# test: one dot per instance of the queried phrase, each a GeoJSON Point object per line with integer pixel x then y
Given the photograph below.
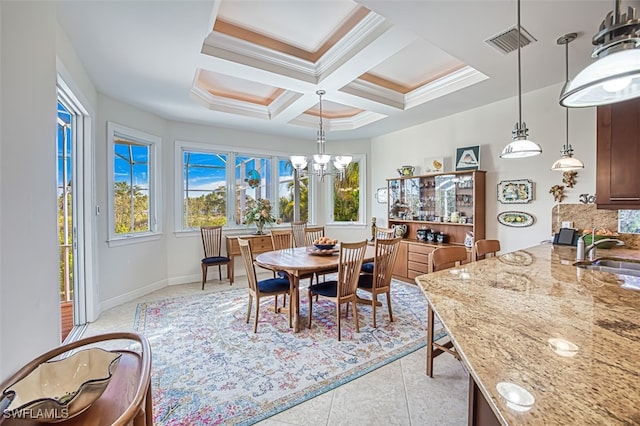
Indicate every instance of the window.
{"type": "Point", "coordinates": [286, 187]}
{"type": "Point", "coordinates": [253, 181]}
{"type": "Point", "coordinates": [629, 221]}
{"type": "Point", "coordinates": [132, 209]}
{"type": "Point", "coordinates": [216, 185]}
{"type": "Point", "coordinates": [205, 189]}
{"type": "Point", "coordinates": [347, 204]}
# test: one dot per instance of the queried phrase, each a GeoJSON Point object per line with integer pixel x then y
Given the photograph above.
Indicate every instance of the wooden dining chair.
{"type": "Point", "coordinates": [212, 244]}
{"type": "Point", "coordinates": [486, 248]}
{"type": "Point", "coordinates": [298, 233]}
{"type": "Point", "coordinates": [312, 233]}
{"type": "Point", "coordinates": [381, 234]}
{"type": "Point", "coordinates": [262, 288]}
{"type": "Point", "coordinates": [441, 258]}
{"type": "Point", "coordinates": [342, 290]}
{"type": "Point", "coordinates": [379, 282]}
{"type": "Point", "coordinates": [281, 239]}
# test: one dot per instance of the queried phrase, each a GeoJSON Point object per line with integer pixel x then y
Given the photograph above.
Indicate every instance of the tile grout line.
{"type": "Point", "coordinates": [406, 395]}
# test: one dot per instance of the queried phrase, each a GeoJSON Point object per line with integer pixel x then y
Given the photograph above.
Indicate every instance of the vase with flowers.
{"type": "Point", "coordinates": [259, 212]}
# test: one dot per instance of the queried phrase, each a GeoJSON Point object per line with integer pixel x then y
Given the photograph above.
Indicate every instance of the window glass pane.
{"type": "Point", "coordinates": [286, 192]}
{"type": "Point", "coordinates": [629, 221]}
{"type": "Point", "coordinates": [204, 184]}
{"type": "Point", "coordinates": [346, 195]}
{"type": "Point", "coordinates": [253, 181]}
{"type": "Point", "coordinates": [131, 187]}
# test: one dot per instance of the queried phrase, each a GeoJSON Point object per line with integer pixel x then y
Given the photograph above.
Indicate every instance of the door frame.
{"type": "Point", "coordinates": [85, 296]}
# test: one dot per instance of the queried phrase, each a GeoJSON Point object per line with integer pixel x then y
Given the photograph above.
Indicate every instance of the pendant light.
{"type": "Point", "coordinates": [520, 146]}
{"type": "Point", "coordinates": [321, 161]}
{"type": "Point", "coordinates": [567, 162]}
{"type": "Point", "coordinates": [615, 75]}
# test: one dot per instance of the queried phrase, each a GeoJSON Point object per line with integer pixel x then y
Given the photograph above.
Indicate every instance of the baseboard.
{"type": "Point", "coordinates": [129, 296]}
{"type": "Point", "coordinates": [185, 279]}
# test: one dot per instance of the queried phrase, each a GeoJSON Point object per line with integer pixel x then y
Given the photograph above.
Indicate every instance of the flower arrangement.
{"type": "Point", "coordinates": [259, 212]}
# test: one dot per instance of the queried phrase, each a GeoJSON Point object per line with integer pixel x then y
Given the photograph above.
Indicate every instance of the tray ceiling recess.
{"type": "Point", "coordinates": [267, 62]}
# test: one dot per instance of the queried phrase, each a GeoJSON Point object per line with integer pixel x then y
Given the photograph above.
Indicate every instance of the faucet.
{"type": "Point", "coordinates": [590, 250]}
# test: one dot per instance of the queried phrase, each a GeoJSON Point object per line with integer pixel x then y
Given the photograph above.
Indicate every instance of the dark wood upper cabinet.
{"type": "Point", "coordinates": [618, 156]}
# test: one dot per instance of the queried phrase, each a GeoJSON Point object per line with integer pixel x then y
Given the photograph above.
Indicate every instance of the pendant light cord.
{"type": "Point", "coordinates": [566, 79]}
{"type": "Point", "coordinates": [519, 73]}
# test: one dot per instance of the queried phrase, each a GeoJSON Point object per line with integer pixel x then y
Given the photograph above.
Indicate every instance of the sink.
{"type": "Point", "coordinates": [612, 265]}
{"type": "Point", "coordinates": [618, 263]}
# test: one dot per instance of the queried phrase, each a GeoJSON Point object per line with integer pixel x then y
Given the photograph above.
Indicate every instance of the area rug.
{"type": "Point", "coordinates": [208, 367]}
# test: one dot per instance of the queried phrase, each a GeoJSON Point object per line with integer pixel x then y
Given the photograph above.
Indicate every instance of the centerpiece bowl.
{"type": "Point", "coordinates": [59, 390]}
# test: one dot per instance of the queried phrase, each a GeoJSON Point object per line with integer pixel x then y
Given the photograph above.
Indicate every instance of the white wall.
{"type": "Point", "coordinates": [135, 269]}
{"type": "Point", "coordinates": [73, 75]}
{"type": "Point", "coordinates": [29, 311]}
{"type": "Point", "coordinates": [490, 127]}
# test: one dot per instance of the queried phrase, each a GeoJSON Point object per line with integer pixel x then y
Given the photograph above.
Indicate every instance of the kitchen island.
{"type": "Point", "coordinates": [544, 342]}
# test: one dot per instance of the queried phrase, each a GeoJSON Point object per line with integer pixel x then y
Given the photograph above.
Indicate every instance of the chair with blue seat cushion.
{"type": "Point", "coordinates": [381, 234]}
{"type": "Point", "coordinates": [379, 281]}
{"type": "Point", "coordinates": [212, 244]}
{"type": "Point", "coordinates": [342, 290]}
{"type": "Point", "coordinates": [263, 288]}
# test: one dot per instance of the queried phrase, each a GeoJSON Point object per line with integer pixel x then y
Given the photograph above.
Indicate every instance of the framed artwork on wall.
{"type": "Point", "coordinates": [468, 158]}
{"type": "Point", "coordinates": [518, 191]}
{"type": "Point", "coordinates": [381, 195]}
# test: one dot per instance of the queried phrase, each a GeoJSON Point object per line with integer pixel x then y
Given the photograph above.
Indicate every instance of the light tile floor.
{"type": "Point", "coordinates": [399, 393]}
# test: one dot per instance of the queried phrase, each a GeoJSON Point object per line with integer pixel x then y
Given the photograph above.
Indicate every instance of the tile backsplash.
{"type": "Point", "coordinates": [587, 216]}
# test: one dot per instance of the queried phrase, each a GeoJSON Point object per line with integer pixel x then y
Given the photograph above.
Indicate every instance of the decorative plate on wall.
{"type": "Point", "coordinates": [516, 219]}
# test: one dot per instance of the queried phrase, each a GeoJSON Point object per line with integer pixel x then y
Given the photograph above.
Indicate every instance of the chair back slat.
{"type": "Point", "coordinates": [386, 253]}
{"type": "Point", "coordinates": [247, 260]}
{"type": "Point", "coordinates": [351, 257]}
{"type": "Point", "coordinates": [281, 239]}
{"type": "Point", "coordinates": [312, 233]}
{"type": "Point", "coordinates": [487, 248]}
{"type": "Point", "coordinates": [384, 233]}
{"type": "Point", "coordinates": [298, 233]}
{"type": "Point", "coordinates": [447, 257]}
{"type": "Point", "coordinates": [211, 240]}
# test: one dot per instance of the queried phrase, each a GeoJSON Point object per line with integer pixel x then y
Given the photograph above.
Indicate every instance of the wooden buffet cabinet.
{"type": "Point", "coordinates": [430, 202]}
{"type": "Point", "coordinates": [259, 244]}
{"type": "Point", "coordinates": [617, 154]}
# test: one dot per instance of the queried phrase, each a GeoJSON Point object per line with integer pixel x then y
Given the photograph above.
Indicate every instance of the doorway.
{"type": "Point", "coordinates": [74, 218]}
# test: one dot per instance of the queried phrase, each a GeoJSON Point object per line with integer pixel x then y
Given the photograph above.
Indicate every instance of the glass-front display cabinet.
{"type": "Point", "coordinates": [438, 207]}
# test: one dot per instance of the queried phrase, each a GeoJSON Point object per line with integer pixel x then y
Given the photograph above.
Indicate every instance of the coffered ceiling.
{"type": "Point", "coordinates": [384, 64]}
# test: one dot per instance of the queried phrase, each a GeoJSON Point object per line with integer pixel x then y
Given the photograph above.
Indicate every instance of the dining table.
{"type": "Point", "coordinates": [299, 261]}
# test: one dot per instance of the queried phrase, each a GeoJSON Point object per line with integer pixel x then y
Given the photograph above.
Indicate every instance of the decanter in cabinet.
{"type": "Point", "coordinates": [448, 204]}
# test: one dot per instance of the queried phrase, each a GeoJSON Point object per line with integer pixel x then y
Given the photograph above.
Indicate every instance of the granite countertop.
{"type": "Point", "coordinates": [502, 312]}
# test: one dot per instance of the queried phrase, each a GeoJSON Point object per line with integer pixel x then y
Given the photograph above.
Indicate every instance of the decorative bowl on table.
{"type": "Point", "coordinates": [59, 390]}
{"type": "Point", "coordinates": [324, 246]}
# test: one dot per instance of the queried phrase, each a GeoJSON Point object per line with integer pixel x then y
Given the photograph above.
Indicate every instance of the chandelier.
{"type": "Point", "coordinates": [567, 162]}
{"type": "Point", "coordinates": [521, 145]}
{"type": "Point", "coordinates": [615, 75]}
{"type": "Point", "coordinates": [322, 160]}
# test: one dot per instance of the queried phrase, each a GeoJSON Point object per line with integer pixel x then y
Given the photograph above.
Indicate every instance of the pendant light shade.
{"type": "Point", "coordinates": [615, 76]}
{"type": "Point", "coordinates": [321, 161]}
{"type": "Point", "coordinates": [520, 146]}
{"type": "Point", "coordinates": [567, 162]}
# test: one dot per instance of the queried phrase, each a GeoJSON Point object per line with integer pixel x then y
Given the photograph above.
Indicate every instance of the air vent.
{"type": "Point", "coordinates": [507, 40]}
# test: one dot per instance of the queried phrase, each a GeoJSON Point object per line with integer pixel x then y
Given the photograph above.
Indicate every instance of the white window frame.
{"type": "Point", "coordinates": [362, 210]}
{"type": "Point", "coordinates": [231, 153]}
{"type": "Point", "coordinates": [153, 142]}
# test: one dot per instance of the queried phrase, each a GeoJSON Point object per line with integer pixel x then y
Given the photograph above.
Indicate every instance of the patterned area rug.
{"type": "Point", "coordinates": [210, 368]}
